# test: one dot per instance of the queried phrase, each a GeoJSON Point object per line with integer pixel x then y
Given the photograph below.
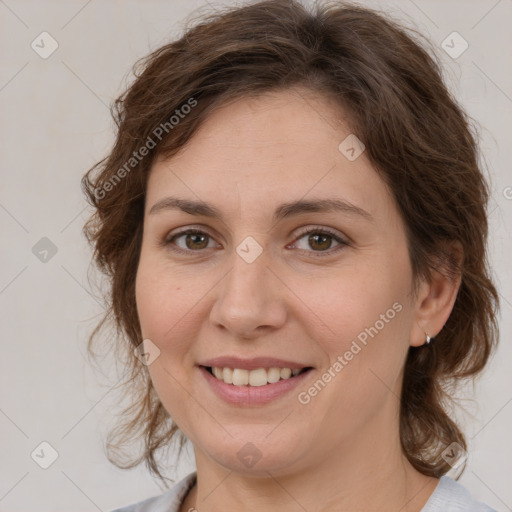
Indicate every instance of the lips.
{"type": "Point", "coordinates": [256, 381]}
{"type": "Point", "coordinates": [250, 395]}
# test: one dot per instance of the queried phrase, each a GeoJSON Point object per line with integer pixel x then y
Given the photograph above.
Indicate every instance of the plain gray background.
{"type": "Point", "coordinates": [55, 124]}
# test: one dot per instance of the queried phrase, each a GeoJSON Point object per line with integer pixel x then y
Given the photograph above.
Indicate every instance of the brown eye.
{"type": "Point", "coordinates": [320, 240]}
{"type": "Point", "coordinates": [194, 240]}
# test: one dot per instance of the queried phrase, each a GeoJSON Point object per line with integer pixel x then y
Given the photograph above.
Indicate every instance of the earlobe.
{"type": "Point", "coordinates": [426, 339]}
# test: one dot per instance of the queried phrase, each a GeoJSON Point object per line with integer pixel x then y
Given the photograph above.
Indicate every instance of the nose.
{"type": "Point", "coordinates": [250, 300]}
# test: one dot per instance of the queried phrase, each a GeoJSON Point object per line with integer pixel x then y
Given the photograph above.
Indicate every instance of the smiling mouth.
{"type": "Point", "coordinates": [256, 377]}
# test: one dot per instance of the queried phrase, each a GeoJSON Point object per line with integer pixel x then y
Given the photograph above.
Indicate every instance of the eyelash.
{"type": "Point", "coordinates": [168, 242]}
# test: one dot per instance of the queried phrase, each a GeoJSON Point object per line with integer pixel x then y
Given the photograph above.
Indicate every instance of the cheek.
{"type": "Point", "coordinates": [153, 297]}
{"type": "Point", "coordinates": [368, 314]}
{"type": "Point", "coordinates": [164, 297]}
{"type": "Point", "coordinates": [362, 304]}
{"type": "Point", "coordinates": [162, 305]}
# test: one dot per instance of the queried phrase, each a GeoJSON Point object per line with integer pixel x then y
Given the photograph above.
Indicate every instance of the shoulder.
{"type": "Point", "coordinates": [450, 496]}
{"type": "Point", "coordinates": [169, 501]}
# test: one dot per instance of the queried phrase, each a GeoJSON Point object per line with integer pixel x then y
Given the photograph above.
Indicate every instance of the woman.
{"type": "Point", "coordinates": [294, 223]}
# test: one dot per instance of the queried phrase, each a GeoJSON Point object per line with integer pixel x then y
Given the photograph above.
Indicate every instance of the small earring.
{"type": "Point", "coordinates": [427, 340]}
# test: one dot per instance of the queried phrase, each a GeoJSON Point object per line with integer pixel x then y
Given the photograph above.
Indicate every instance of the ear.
{"type": "Point", "coordinates": [436, 297]}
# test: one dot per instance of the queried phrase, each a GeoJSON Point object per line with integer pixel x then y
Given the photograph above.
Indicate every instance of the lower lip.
{"type": "Point", "coordinates": [252, 395]}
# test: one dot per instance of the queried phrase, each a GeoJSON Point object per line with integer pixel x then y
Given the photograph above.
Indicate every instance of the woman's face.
{"type": "Point", "coordinates": [254, 284]}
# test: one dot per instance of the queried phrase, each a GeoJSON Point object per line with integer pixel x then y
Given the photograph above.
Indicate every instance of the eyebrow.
{"type": "Point", "coordinates": [285, 210]}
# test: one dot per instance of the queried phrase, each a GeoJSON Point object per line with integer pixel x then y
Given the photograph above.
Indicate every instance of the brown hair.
{"type": "Point", "coordinates": [416, 135]}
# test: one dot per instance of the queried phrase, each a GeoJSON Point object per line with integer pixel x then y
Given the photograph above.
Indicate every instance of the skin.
{"type": "Point", "coordinates": [341, 451]}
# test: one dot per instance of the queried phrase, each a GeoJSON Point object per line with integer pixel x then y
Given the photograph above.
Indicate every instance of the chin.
{"type": "Point", "coordinates": [259, 454]}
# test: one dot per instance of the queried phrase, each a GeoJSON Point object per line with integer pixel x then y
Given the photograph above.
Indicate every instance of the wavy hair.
{"type": "Point", "coordinates": [417, 137]}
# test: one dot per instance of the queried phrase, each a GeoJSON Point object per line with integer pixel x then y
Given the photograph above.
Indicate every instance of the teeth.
{"type": "Point", "coordinates": [227, 375]}
{"type": "Point", "coordinates": [273, 375]}
{"type": "Point", "coordinates": [240, 377]}
{"type": "Point", "coordinates": [286, 373]}
{"type": "Point", "coordinates": [258, 377]}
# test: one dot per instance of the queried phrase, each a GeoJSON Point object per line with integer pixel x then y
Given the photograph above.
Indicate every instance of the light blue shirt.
{"type": "Point", "coordinates": [449, 496]}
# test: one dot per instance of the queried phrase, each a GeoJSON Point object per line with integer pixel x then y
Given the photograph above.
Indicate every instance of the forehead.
{"type": "Point", "coordinates": [252, 153]}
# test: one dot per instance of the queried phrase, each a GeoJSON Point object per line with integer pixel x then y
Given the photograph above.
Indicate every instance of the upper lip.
{"type": "Point", "coordinates": [252, 364]}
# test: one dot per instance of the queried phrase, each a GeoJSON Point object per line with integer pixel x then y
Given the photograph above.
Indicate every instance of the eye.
{"type": "Point", "coordinates": [193, 239]}
{"type": "Point", "coordinates": [320, 240]}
